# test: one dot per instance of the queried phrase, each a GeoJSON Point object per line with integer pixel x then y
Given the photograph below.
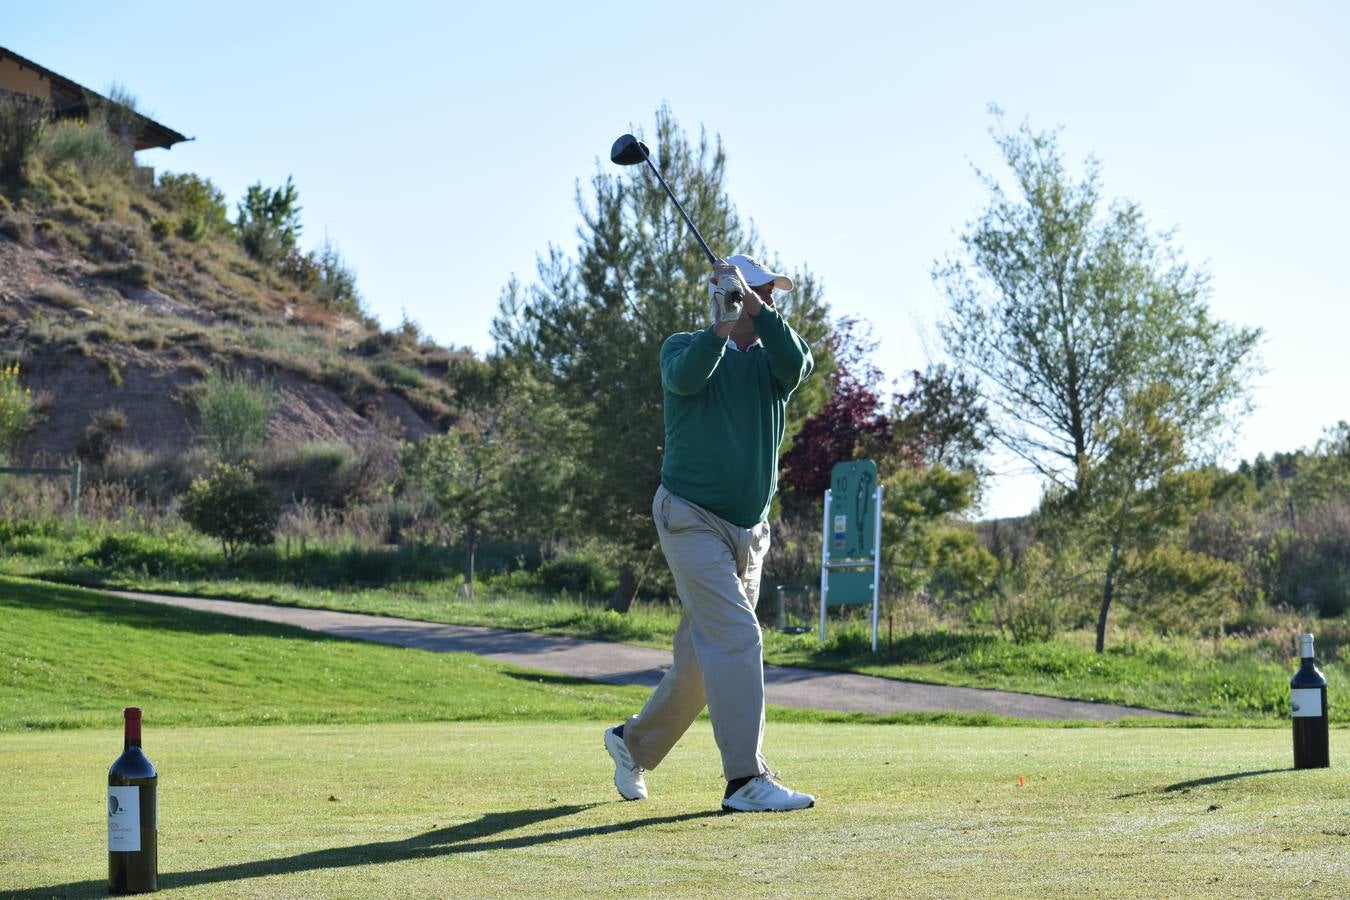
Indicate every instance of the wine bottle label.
{"type": "Point", "coordinates": [124, 819]}
{"type": "Point", "coordinates": [1305, 702]}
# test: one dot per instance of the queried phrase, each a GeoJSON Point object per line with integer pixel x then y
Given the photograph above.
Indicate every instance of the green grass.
{"type": "Point", "coordinates": [527, 810]}
{"type": "Point", "coordinates": [68, 656]}
{"type": "Point", "coordinates": [1236, 680]}
{"type": "Point", "coordinates": [1233, 680]}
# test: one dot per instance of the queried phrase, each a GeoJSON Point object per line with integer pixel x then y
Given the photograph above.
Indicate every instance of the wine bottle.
{"type": "Point", "coordinates": [1308, 703]}
{"type": "Point", "coordinates": [133, 816]}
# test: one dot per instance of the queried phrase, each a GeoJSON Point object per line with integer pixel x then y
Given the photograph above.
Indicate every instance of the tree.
{"type": "Point", "coordinates": [1133, 499]}
{"type": "Point", "coordinates": [231, 507]}
{"type": "Point", "coordinates": [941, 420]}
{"type": "Point", "coordinates": [850, 424]}
{"type": "Point", "coordinates": [1065, 310]}
{"type": "Point", "coordinates": [592, 328]}
{"type": "Point", "coordinates": [492, 470]}
{"type": "Point", "coordinates": [269, 221]}
{"type": "Point", "coordinates": [917, 504]}
{"type": "Point", "coordinates": [235, 410]}
{"type": "Point", "coordinates": [199, 203]}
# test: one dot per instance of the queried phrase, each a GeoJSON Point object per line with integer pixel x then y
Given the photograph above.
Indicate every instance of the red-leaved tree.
{"type": "Point", "coordinates": [850, 423]}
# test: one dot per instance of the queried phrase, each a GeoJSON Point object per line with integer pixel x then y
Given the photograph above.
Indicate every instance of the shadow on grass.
{"type": "Point", "coordinates": [551, 678]}
{"type": "Point", "coordinates": [1217, 779]}
{"type": "Point", "coordinates": [97, 606]}
{"type": "Point", "coordinates": [477, 836]}
{"type": "Point", "coordinates": [1200, 782]}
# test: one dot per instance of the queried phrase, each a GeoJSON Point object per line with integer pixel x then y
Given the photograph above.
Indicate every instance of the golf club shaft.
{"type": "Point", "coordinates": [712, 258]}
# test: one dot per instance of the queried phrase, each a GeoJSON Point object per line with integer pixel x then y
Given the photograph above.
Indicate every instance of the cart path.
{"type": "Point", "coordinates": [613, 663]}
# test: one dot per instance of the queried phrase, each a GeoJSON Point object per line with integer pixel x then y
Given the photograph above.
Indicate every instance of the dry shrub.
{"type": "Point", "coordinates": [58, 295]}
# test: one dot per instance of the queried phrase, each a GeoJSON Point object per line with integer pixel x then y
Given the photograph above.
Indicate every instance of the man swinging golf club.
{"type": "Point", "coordinates": [726, 391]}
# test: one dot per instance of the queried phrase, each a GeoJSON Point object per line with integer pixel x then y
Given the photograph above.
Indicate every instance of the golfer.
{"type": "Point", "coordinates": [726, 393]}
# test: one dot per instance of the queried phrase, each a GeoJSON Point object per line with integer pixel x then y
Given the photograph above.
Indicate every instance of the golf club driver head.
{"type": "Point", "coordinates": [628, 151]}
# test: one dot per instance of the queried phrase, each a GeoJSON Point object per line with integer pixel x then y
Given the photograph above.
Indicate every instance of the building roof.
{"type": "Point", "coordinates": [72, 100]}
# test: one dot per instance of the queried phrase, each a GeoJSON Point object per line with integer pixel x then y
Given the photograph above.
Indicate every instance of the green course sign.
{"type": "Point", "coordinates": [850, 558]}
{"type": "Point", "coordinates": [853, 501]}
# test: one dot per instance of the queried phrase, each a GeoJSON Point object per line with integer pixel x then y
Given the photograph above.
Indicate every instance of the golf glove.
{"type": "Point", "coordinates": [728, 293]}
{"type": "Point", "coordinates": [726, 303]}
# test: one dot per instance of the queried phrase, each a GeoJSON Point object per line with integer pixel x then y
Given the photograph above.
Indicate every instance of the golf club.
{"type": "Point", "coordinates": [629, 151]}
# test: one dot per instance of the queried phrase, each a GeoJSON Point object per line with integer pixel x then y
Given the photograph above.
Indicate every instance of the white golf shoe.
{"type": "Point", "coordinates": [763, 794]}
{"type": "Point", "coordinates": [627, 774]}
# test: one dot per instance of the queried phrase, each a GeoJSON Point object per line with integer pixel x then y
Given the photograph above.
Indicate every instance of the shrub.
{"type": "Point", "coordinates": [16, 408]}
{"type": "Point", "coordinates": [199, 203]}
{"type": "Point", "coordinates": [574, 574]}
{"type": "Point", "coordinates": [269, 222]}
{"type": "Point", "coordinates": [134, 274]}
{"type": "Point", "coordinates": [58, 295]}
{"type": "Point", "coordinates": [397, 375]}
{"type": "Point", "coordinates": [300, 269]}
{"type": "Point", "coordinates": [16, 228]}
{"type": "Point", "coordinates": [100, 435]}
{"type": "Point", "coordinates": [320, 472]}
{"type": "Point", "coordinates": [22, 120]}
{"type": "Point", "coordinates": [1181, 592]}
{"type": "Point", "coordinates": [235, 410]}
{"type": "Point", "coordinates": [117, 115]}
{"type": "Point", "coordinates": [1035, 603]}
{"type": "Point", "coordinates": [336, 286]}
{"type": "Point", "coordinates": [86, 147]}
{"type": "Point", "coordinates": [141, 553]}
{"type": "Point", "coordinates": [231, 507]}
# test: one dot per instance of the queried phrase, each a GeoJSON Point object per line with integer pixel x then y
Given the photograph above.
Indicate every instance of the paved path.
{"type": "Point", "coordinates": [614, 663]}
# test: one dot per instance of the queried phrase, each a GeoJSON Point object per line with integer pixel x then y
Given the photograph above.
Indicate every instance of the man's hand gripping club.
{"type": "Point", "coordinates": [729, 292]}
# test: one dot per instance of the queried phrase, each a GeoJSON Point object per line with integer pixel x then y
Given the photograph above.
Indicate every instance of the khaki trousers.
{"type": "Point", "coordinates": [719, 651]}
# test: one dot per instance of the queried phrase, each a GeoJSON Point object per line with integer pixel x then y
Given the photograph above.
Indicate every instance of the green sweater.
{"type": "Point", "coordinates": [725, 412]}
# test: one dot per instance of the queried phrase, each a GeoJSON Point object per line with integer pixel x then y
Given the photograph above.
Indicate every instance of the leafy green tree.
{"type": "Point", "coordinates": [232, 507]}
{"type": "Point", "coordinates": [235, 410]}
{"type": "Point", "coordinates": [920, 545]}
{"type": "Point", "coordinates": [199, 203]}
{"type": "Point", "coordinates": [1181, 591]}
{"type": "Point", "coordinates": [493, 470]}
{"type": "Point", "coordinates": [942, 420]}
{"type": "Point", "coordinates": [1285, 521]}
{"type": "Point", "coordinates": [269, 221]}
{"type": "Point", "coordinates": [1065, 308]}
{"type": "Point", "coordinates": [1134, 499]}
{"type": "Point", "coordinates": [593, 324]}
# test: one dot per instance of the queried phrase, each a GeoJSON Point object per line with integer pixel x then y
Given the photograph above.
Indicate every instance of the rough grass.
{"type": "Point", "coordinates": [1235, 679]}
{"type": "Point", "coordinates": [527, 810]}
{"type": "Point", "coordinates": [69, 655]}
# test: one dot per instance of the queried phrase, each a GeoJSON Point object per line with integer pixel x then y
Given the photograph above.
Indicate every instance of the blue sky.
{"type": "Point", "coordinates": [440, 145]}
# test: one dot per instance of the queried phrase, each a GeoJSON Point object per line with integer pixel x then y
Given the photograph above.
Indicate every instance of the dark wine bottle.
{"type": "Point", "coordinates": [1308, 703]}
{"type": "Point", "coordinates": [133, 816]}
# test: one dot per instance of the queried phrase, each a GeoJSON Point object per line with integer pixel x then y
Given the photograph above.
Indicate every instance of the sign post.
{"type": "Point", "coordinates": [850, 553]}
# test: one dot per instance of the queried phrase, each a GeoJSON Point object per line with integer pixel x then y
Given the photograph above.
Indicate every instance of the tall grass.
{"type": "Point", "coordinates": [235, 410]}
{"type": "Point", "coordinates": [87, 147]}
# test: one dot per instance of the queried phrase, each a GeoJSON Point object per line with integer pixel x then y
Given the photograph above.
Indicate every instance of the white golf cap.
{"type": "Point", "coordinates": [756, 273]}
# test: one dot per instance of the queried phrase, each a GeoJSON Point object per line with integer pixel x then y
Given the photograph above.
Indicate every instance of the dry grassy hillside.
{"type": "Point", "coordinates": [107, 307]}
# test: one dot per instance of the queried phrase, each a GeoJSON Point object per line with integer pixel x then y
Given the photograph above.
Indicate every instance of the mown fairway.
{"type": "Point", "coordinates": [403, 773]}
{"type": "Point", "coordinates": [491, 810]}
